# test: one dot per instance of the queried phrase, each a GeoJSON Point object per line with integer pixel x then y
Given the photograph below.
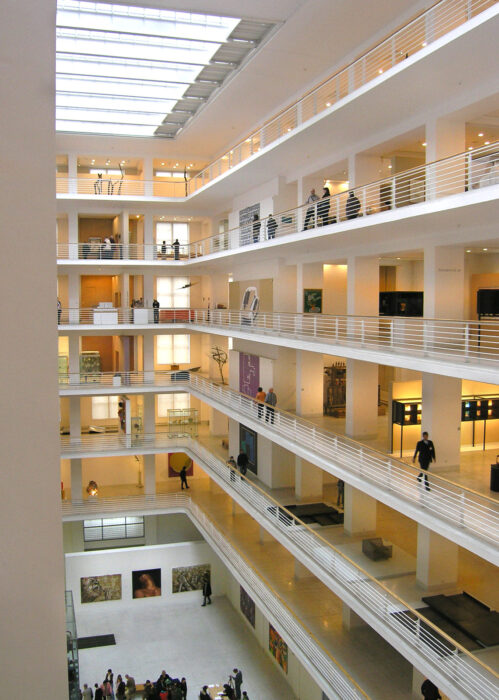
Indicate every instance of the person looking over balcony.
{"type": "Point", "coordinates": [176, 249]}
{"type": "Point", "coordinates": [256, 226]}
{"type": "Point", "coordinates": [310, 217]}
{"type": "Point", "coordinates": [323, 207]}
{"type": "Point", "coordinates": [271, 227]}
{"type": "Point", "coordinates": [270, 400]}
{"type": "Point", "coordinates": [352, 207]}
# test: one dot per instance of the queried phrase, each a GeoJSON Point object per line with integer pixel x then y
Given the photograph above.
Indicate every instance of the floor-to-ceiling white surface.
{"type": "Point", "coordinates": [202, 644]}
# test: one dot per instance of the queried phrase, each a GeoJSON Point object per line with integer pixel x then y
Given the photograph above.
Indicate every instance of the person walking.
{"type": "Point", "coordinates": [155, 310]}
{"type": "Point", "coordinates": [260, 396]}
{"type": "Point", "coordinates": [270, 400]}
{"type": "Point", "coordinates": [430, 690]}
{"type": "Point", "coordinates": [271, 227]}
{"type": "Point", "coordinates": [245, 695]}
{"type": "Point", "coordinates": [183, 477]}
{"type": "Point", "coordinates": [340, 501]}
{"type": "Point", "coordinates": [242, 462]}
{"type": "Point", "coordinates": [310, 216]}
{"type": "Point", "coordinates": [323, 207]}
{"type": "Point", "coordinates": [206, 590]}
{"type": "Point", "coordinates": [238, 681]}
{"type": "Point", "coordinates": [352, 206]}
{"type": "Point", "coordinates": [426, 451]}
{"type": "Point", "coordinates": [256, 226]}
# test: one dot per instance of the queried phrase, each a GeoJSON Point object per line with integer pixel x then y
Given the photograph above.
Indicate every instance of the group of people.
{"type": "Point", "coordinates": [164, 688]}
{"type": "Point", "coordinates": [256, 227]}
{"type": "Point", "coordinates": [104, 251]}
{"type": "Point", "coordinates": [319, 208]}
{"type": "Point", "coordinates": [176, 249]}
{"type": "Point", "coordinates": [268, 398]}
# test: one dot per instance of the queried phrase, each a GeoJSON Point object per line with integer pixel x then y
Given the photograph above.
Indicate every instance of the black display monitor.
{"type": "Point", "coordinates": [487, 302]}
{"type": "Point", "coordinates": [401, 303]}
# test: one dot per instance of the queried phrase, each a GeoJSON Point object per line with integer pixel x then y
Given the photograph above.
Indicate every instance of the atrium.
{"type": "Point", "coordinates": [271, 237]}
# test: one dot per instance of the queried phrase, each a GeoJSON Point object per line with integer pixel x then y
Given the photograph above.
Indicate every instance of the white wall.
{"type": "Point", "coordinates": [124, 561]}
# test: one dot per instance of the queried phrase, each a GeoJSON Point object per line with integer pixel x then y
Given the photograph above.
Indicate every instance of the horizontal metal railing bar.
{"type": "Point", "coordinates": [372, 596]}
{"type": "Point", "coordinates": [455, 175]}
{"type": "Point", "coordinates": [320, 659]}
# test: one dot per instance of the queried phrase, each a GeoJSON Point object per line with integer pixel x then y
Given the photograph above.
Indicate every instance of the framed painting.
{"type": "Point", "coordinates": [248, 444]}
{"type": "Point", "coordinates": [189, 578]}
{"type": "Point", "coordinates": [278, 648]}
{"type": "Point", "coordinates": [312, 301]}
{"type": "Point", "coordinates": [99, 589]}
{"type": "Point", "coordinates": [146, 583]}
{"type": "Point", "coordinates": [247, 606]}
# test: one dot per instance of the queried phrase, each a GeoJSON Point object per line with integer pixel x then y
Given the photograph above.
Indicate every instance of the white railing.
{"type": "Point", "coordinates": [453, 341]}
{"type": "Point", "coordinates": [459, 174]}
{"type": "Point", "coordinates": [370, 598]}
{"type": "Point", "coordinates": [321, 662]}
{"type": "Point", "coordinates": [419, 33]}
{"type": "Point", "coordinates": [462, 510]}
{"type": "Point", "coordinates": [112, 186]}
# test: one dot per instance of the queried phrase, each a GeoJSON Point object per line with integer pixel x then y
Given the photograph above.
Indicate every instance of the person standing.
{"type": "Point", "coordinates": [245, 695]}
{"type": "Point", "coordinates": [323, 207]}
{"type": "Point", "coordinates": [352, 206]}
{"type": "Point", "coordinates": [260, 396]}
{"type": "Point", "coordinates": [183, 687]}
{"type": "Point", "coordinates": [242, 462]}
{"type": "Point", "coordinates": [99, 693]}
{"type": "Point", "coordinates": [87, 692]}
{"type": "Point", "coordinates": [110, 675]}
{"type": "Point", "coordinates": [59, 311]}
{"type": "Point", "coordinates": [176, 249]}
{"type": "Point", "coordinates": [238, 681]}
{"type": "Point", "coordinates": [204, 693]}
{"type": "Point", "coordinates": [231, 463]}
{"type": "Point", "coordinates": [271, 227]}
{"type": "Point", "coordinates": [130, 686]}
{"type": "Point", "coordinates": [120, 688]}
{"type": "Point", "coordinates": [270, 400]}
{"type": "Point", "coordinates": [155, 308]}
{"type": "Point", "coordinates": [206, 592]}
{"type": "Point", "coordinates": [256, 226]}
{"type": "Point", "coordinates": [426, 451]}
{"type": "Point", "coordinates": [183, 477]}
{"type": "Point", "coordinates": [340, 501]}
{"type": "Point", "coordinates": [430, 690]}
{"type": "Point", "coordinates": [310, 216]}
{"type": "Point", "coordinates": [163, 250]}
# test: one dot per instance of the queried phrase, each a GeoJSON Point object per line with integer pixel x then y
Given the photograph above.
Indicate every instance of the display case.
{"type": "Point", "coordinates": [90, 364]}
{"type": "Point", "coordinates": [183, 421]}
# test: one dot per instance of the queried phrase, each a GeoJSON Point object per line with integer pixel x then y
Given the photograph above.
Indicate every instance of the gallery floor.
{"type": "Point", "coordinates": [202, 644]}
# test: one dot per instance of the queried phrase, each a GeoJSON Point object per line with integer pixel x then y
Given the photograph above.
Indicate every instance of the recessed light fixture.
{"type": "Point", "coordinates": [328, 104]}
{"type": "Point", "coordinates": [380, 71]}
{"type": "Point", "coordinates": [138, 216]}
{"type": "Point", "coordinates": [486, 143]}
{"type": "Point", "coordinates": [468, 251]}
{"type": "Point", "coordinates": [423, 44]}
{"type": "Point", "coordinates": [484, 248]}
{"type": "Point", "coordinates": [162, 163]}
{"type": "Point", "coordinates": [480, 134]}
{"type": "Point", "coordinates": [424, 144]}
{"type": "Point", "coordinates": [398, 258]}
{"type": "Point", "coordinates": [470, 148]}
{"type": "Point", "coordinates": [289, 128]}
{"type": "Point", "coordinates": [390, 167]}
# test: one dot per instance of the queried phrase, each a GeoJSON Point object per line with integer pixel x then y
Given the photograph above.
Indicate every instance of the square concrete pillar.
{"type": "Point", "coordinates": [350, 618]}
{"type": "Point", "coordinates": [308, 481]}
{"type": "Point", "coordinates": [301, 571]}
{"type": "Point", "coordinates": [361, 399]}
{"type": "Point", "coordinates": [437, 562]}
{"type": "Point", "coordinates": [76, 481]}
{"type": "Point", "coordinates": [149, 478]}
{"type": "Point", "coordinates": [265, 536]}
{"type": "Point", "coordinates": [444, 282]}
{"type": "Point", "coordinates": [360, 512]}
{"type": "Point", "coordinates": [74, 416]}
{"type": "Point", "coordinates": [309, 382]}
{"type": "Point", "coordinates": [441, 419]}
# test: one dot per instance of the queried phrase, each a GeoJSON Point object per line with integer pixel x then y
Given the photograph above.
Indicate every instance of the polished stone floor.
{"type": "Point", "coordinates": [202, 645]}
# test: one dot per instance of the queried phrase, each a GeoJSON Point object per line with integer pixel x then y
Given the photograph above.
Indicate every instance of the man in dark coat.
{"type": "Point", "coordinates": [242, 462]}
{"type": "Point", "coordinates": [238, 681]}
{"type": "Point", "coordinates": [426, 451]}
{"type": "Point", "coordinates": [271, 227]}
{"type": "Point", "coordinates": [206, 590]}
{"type": "Point", "coordinates": [430, 690]}
{"type": "Point", "coordinates": [183, 477]}
{"type": "Point", "coordinates": [352, 207]}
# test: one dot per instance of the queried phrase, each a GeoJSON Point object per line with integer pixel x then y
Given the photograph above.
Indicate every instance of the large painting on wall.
{"type": "Point", "coordinates": [146, 583]}
{"type": "Point", "coordinates": [249, 374]}
{"type": "Point", "coordinates": [245, 225]}
{"type": "Point", "coordinates": [176, 461]}
{"type": "Point", "coordinates": [189, 578]}
{"type": "Point", "coordinates": [247, 606]}
{"type": "Point", "coordinates": [98, 589]}
{"type": "Point", "coordinates": [278, 648]}
{"type": "Point", "coordinates": [248, 444]}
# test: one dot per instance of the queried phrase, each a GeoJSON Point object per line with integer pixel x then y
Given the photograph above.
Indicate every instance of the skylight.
{"type": "Point", "coordinates": [123, 70]}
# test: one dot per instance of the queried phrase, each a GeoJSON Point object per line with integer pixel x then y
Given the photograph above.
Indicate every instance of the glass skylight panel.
{"type": "Point", "coordinates": [110, 51]}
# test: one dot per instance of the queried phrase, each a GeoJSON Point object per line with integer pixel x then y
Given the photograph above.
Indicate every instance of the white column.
{"type": "Point", "coordinates": [76, 481]}
{"type": "Point", "coordinates": [444, 282]}
{"type": "Point", "coordinates": [437, 562]}
{"type": "Point", "coordinates": [308, 481]}
{"type": "Point", "coordinates": [73, 235]}
{"type": "Point", "coordinates": [148, 289]}
{"type": "Point", "coordinates": [360, 512]}
{"type": "Point", "coordinates": [74, 296]}
{"type": "Point", "coordinates": [441, 419]}
{"type": "Point", "coordinates": [149, 252]}
{"type": "Point", "coordinates": [148, 176]}
{"type": "Point", "coordinates": [149, 413]}
{"type": "Point", "coordinates": [124, 233]}
{"type": "Point", "coordinates": [350, 618]}
{"type": "Point", "coordinates": [149, 462]}
{"type": "Point", "coordinates": [72, 173]}
{"type": "Point", "coordinates": [301, 571]}
{"type": "Point", "coordinates": [309, 383]}
{"type": "Point", "coordinates": [218, 422]}
{"type": "Point", "coordinates": [74, 416]}
{"type": "Point", "coordinates": [445, 138]}
{"type": "Point", "coordinates": [148, 350]}
{"type": "Point", "coordinates": [362, 377]}
{"type": "Point", "coordinates": [299, 288]}
{"type": "Point", "coordinates": [74, 342]}
{"type": "Point", "coordinates": [301, 196]}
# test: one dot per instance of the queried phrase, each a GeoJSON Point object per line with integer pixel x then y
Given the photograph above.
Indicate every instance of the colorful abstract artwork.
{"type": "Point", "coordinates": [99, 589]}
{"type": "Point", "coordinates": [278, 648]}
{"type": "Point", "coordinates": [247, 606]}
{"type": "Point", "coordinates": [176, 461]}
{"type": "Point", "coordinates": [189, 578]}
{"type": "Point", "coordinates": [312, 301]}
{"type": "Point", "coordinates": [249, 374]}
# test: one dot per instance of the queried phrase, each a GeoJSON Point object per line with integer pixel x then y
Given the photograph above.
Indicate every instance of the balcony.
{"type": "Point", "coordinates": [457, 672]}
{"type": "Point", "coordinates": [461, 181]}
{"type": "Point", "coordinates": [460, 514]}
{"type": "Point", "coordinates": [463, 349]}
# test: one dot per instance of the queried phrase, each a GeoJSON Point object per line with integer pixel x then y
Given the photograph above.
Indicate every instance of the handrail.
{"type": "Point", "coordinates": [406, 41]}
{"type": "Point", "coordinates": [459, 174]}
{"type": "Point", "coordinates": [340, 573]}
{"type": "Point", "coordinates": [319, 658]}
{"type": "Point", "coordinates": [452, 504]}
{"type": "Point", "coordinates": [464, 341]}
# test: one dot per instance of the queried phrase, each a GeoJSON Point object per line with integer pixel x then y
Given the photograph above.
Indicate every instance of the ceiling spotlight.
{"type": "Point", "coordinates": [380, 71]}
{"type": "Point", "coordinates": [423, 44]}
{"type": "Point", "coordinates": [328, 104]}
{"type": "Point", "coordinates": [468, 251]}
{"type": "Point", "coordinates": [191, 165]}
{"type": "Point", "coordinates": [424, 144]}
{"type": "Point", "coordinates": [486, 143]}
{"type": "Point", "coordinates": [470, 148]}
{"type": "Point", "coordinates": [162, 163]}
{"type": "Point", "coordinates": [176, 165]}
{"type": "Point", "coordinates": [480, 134]}
{"type": "Point", "coordinates": [484, 248]}
{"type": "Point", "coordinates": [390, 167]}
